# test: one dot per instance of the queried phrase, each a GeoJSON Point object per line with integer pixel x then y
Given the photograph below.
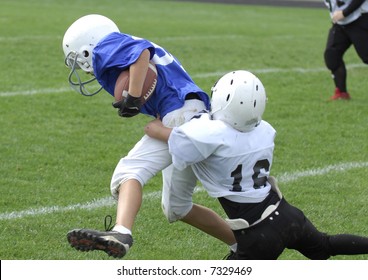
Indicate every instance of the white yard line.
{"type": "Point", "coordinates": [195, 76]}
{"type": "Point", "coordinates": [108, 201]}
{"type": "Point", "coordinates": [35, 91]}
{"type": "Point", "coordinates": [278, 70]}
{"type": "Point", "coordinates": [341, 167]}
{"type": "Point", "coordinates": [16, 39]}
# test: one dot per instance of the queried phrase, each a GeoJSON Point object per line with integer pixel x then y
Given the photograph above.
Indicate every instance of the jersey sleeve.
{"type": "Point", "coordinates": [192, 142]}
{"type": "Point", "coordinates": [352, 9]}
{"type": "Point", "coordinates": [120, 50]}
{"type": "Point", "coordinates": [183, 150]}
{"type": "Point", "coordinates": [115, 53]}
{"type": "Point", "coordinates": [354, 5]}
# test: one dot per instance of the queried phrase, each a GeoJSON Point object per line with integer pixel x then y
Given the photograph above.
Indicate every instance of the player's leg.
{"type": "Point", "coordinates": [129, 203]}
{"type": "Point", "coordinates": [337, 44]}
{"type": "Point", "coordinates": [148, 157]}
{"type": "Point", "coordinates": [317, 245]}
{"type": "Point", "coordinates": [177, 191]}
{"type": "Point", "coordinates": [359, 35]}
{"type": "Point", "coordinates": [348, 244]}
{"type": "Point", "coordinates": [303, 236]}
{"type": "Point", "coordinates": [178, 188]}
{"type": "Point", "coordinates": [210, 222]}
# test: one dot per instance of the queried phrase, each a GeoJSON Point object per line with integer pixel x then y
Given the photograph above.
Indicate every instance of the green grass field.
{"type": "Point", "coordinates": [58, 149]}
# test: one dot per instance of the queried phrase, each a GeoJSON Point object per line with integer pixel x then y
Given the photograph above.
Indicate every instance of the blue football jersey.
{"type": "Point", "coordinates": [117, 51]}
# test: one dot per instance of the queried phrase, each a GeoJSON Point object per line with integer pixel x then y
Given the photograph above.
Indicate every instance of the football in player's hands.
{"type": "Point", "coordinates": [149, 85]}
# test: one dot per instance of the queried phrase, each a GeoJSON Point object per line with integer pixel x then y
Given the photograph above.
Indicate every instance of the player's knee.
{"type": "Point", "coordinates": [168, 214]}
{"type": "Point", "coordinates": [174, 214]}
{"type": "Point", "coordinates": [323, 250]}
{"type": "Point", "coordinates": [332, 59]}
{"type": "Point", "coordinates": [114, 188]}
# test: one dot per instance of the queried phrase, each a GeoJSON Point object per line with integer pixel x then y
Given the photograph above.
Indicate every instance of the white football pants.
{"type": "Point", "coordinates": [149, 156]}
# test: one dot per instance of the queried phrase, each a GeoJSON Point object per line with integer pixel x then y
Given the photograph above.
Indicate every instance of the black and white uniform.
{"type": "Point", "coordinates": [234, 167]}
{"type": "Point", "coordinates": [352, 30]}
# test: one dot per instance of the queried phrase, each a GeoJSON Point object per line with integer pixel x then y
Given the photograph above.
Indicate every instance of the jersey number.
{"type": "Point", "coordinates": [258, 182]}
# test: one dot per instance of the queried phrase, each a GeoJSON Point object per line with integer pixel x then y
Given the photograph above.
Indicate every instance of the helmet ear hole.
{"type": "Point", "coordinates": [86, 53]}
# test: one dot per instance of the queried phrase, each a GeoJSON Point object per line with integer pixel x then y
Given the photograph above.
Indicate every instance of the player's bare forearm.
{"type": "Point", "coordinates": [138, 72]}
{"type": "Point", "coordinates": [157, 130]}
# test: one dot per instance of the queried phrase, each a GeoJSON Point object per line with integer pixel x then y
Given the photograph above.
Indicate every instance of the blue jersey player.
{"type": "Point", "coordinates": [94, 45]}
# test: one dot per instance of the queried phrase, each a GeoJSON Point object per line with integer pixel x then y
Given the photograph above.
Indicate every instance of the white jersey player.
{"type": "Point", "coordinates": [230, 150]}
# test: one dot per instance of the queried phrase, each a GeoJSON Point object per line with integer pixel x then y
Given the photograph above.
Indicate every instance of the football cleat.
{"type": "Point", "coordinates": [340, 95]}
{"type": "Point", "coordinates": [113, 243]}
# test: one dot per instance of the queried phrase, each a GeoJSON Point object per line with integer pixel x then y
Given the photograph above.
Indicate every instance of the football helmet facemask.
{"type": "Point", "coordinates": [239, 99]}
{"type": "Point", "coordinates": [78, 44]}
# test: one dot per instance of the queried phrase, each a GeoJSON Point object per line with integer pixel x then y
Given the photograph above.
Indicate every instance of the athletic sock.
{"type": "Point", "coordinates": [122, 229]}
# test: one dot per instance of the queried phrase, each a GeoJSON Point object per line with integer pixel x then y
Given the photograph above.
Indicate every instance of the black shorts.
{"type": "Point", "coordinates": [286, 227]}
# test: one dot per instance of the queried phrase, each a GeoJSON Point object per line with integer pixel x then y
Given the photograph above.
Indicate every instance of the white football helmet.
{"type": "Point", "coordinates": [78, 43]}
{"type": "Point", "coordinates": [239, 99]}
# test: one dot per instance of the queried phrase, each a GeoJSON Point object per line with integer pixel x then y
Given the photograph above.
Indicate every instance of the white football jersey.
{"type": "Point", "coordinates": [339, 5]}
{"type": "Point", "coordinates": [229, 163]}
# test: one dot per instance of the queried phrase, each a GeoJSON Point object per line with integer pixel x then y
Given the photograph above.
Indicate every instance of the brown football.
{"type": "Point", "coordinates": [122, 84]}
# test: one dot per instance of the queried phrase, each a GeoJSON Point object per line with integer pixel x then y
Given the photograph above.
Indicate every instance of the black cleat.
{"type": "Point", "coordinates": [114, 243]}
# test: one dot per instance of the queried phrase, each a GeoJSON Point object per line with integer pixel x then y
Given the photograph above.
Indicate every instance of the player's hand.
{"type": "Point", "coordinates": [153, 128]}
{"type": "Point", "coordinates": [338, 15]}
{"type": "Point", "coordinates": [128, 107]}
{"type": "Point", "coordinates": [157, 130]}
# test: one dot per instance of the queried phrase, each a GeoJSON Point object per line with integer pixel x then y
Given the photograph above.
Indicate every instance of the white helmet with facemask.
{"type": "Point", "coordinates": [78, 44]}
{"type": "Point", "coordinates": [239, 99]}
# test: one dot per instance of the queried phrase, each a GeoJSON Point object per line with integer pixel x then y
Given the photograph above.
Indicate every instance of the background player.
{"type": "Point", "coordinates": [349, 27]}
{"type": "Point", "coordinates": [231, 150]}
{"type": "Point", "coordinates": [94, 44]}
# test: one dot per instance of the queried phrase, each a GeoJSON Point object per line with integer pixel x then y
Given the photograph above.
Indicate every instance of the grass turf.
{"type": "Point", "coordinates": [58, 149]}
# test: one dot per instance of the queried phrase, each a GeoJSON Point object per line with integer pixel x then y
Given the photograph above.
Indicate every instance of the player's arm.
{"type": "Point", "coordinates": [182, 148]}
{"type": "Point", "coordinates": [137, 74]}
{"type": "Point", "coordinates": [157, 130]}
{"type": "Point", "coordinates": [131, 105]}
{"type": "Point", "coordinates": [354, 4]}
{"type": "Point", "coordinates": [341, 14]}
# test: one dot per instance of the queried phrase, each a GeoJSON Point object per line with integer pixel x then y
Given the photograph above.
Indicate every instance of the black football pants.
{"type": "Point", "coordinates": [288, 227]}
{"type": "Point", "coordinates": [340, 38]}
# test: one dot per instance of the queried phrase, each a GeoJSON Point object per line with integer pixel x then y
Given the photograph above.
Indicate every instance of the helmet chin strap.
{"type": "Point", "coordinates": [79, 85]}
